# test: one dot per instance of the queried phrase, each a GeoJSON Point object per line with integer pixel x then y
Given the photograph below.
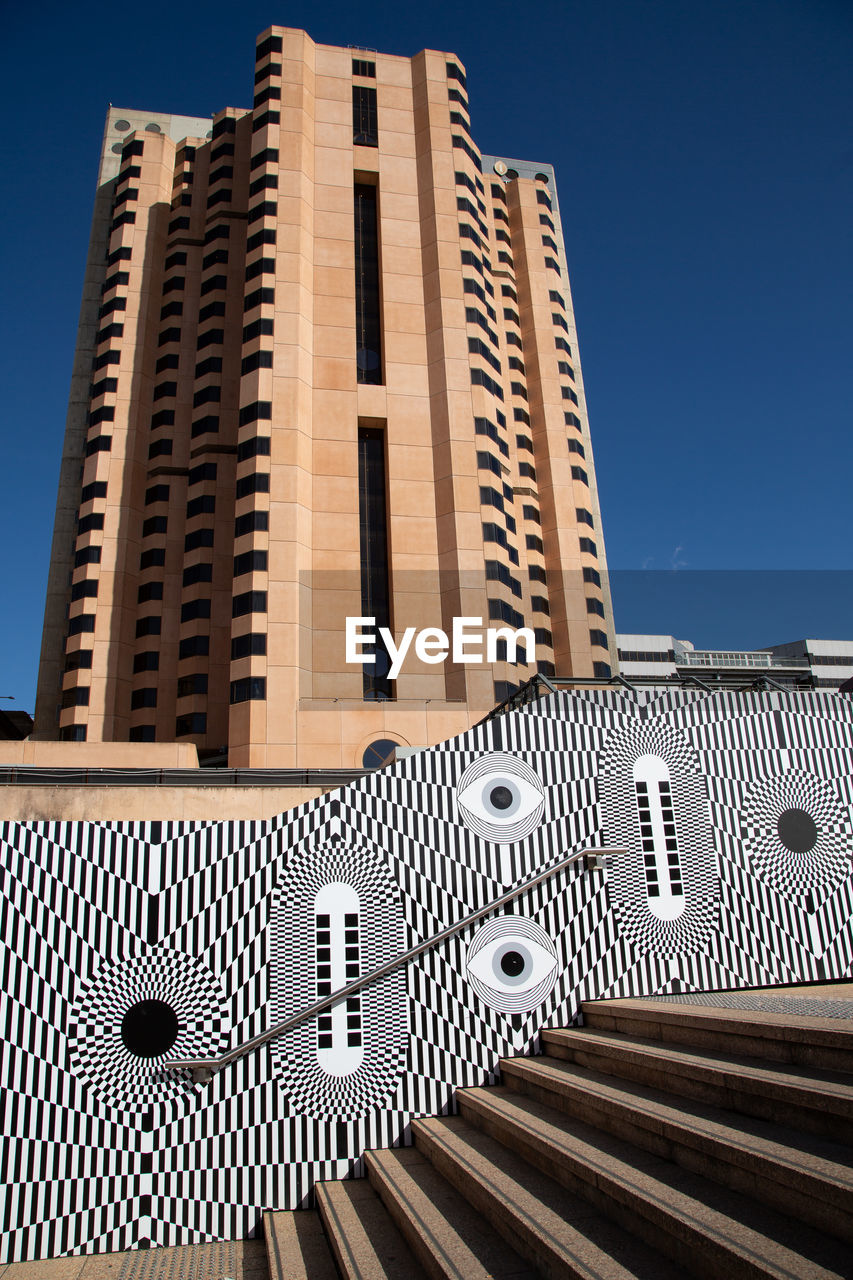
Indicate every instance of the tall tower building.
{"type": "Point", "coordinates": [327, 369]}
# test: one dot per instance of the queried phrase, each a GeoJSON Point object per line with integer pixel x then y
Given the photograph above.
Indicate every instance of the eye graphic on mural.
{"type": "Point", "coordinates": [500, 798]}
{"type": "Point", "coordinates": [512, 964]}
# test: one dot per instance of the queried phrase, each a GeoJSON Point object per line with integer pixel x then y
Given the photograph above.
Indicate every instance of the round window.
{"type": "Point", "coordinates": [378, 753]}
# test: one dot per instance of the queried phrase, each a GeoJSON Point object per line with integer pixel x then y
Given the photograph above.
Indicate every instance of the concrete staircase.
{"type": "Point", "coordinates": [658, 1141]}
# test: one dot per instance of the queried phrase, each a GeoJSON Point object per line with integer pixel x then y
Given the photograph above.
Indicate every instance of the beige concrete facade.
{"type": "Point", "coordinates": [208, 546]}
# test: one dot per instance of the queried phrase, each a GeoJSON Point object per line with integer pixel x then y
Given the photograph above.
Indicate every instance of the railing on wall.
{"type": "Point", "coordinates": [204, 1068]}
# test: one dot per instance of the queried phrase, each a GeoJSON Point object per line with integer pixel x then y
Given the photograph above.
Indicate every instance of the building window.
{"type": "Point", "coordinates": [79, 660]}
{"type": "Point", "coordinates": [197, 573]}
{"type": "Point", "coordinates": [365, 131]}
{"type": "Point", "coordinates": [148, 661]}
{"type": "Point", "coordinates": [248, 602]}
{"type": "Point", "coordinates": [195, 723]}
{"type": "Point", "coordinates": [367, 311]}
{"type": "Point", "coordinates": [249, 689]}
{"type": "Point", "coordinates": [253, 644]}
{"type": "Point", "coordinates": [142, 733]}
{"type": "Point", "coordinates": [249, 562]}
{"type": "Point", "coordinates": [373, 543]}
{"type": "Point", "coordinates": [82, 622]}
{"type": "Point", "coordinates": [149, 591]}
{"type": "Point", "coordinates": [193, 684]}
{"type": "Point", "coordinates": [150, 626]}
{"type": "Point", "coordinates": [195, 609]}
{"type": "Point", "coordinates": [72, 733]}
{"type": "Point", "coordinates": [194, 647]}
{"type": "Point", "coordinates": [78, 697]}
{"type": "Point", "coordinates": [143, 698]}
{"type": "Point", "coordinates": [156, 556]}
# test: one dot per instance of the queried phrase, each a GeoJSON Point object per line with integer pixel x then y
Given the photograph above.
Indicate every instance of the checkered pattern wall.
{"type": "Point", "coordinates": [124, 944]}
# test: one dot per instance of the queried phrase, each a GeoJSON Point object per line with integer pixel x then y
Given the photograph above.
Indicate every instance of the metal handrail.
{"type": "Point", "coordinates": [203, 1068]}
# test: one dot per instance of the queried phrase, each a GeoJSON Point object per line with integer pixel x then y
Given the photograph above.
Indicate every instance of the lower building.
{"type": "Point", "coordinates": [800, 664]}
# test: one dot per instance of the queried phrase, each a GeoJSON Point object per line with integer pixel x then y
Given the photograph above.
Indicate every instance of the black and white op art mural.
{"type": "Point", "coordinates": [127, 945]}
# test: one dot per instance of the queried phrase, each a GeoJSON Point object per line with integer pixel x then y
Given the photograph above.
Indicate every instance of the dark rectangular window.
{"type": "Point", "coordinates": [213, 364]}
{"type": "Point", "coordinates": [535, 544]}
{"type": "Point", "coordinates": [195, 723]}
{"type": "Point", "coordinates": [87, 589]}
{"type": "Point", "coordinates": [204, 471]}
{"type": "Point", "coordinates": [251, 522]}
{"type": "Point", "coordinates": [257, 328]}
{"type": "Point", "coordinates": [148, 626]}
{"type": "Point", "coordinates": [360, 67]}
{"type": "Point", "coordinates": [202, 426]}
{"type": "Point", "coordinates": [148, 559]}
{"type": "Point", "coordinates": [272, 44]}
{"type": "Point", "coordinates": [192, 684]}
{"type": "Point", "coordinates": [169, 361]}
{"type": "Point", "coordinates": [365, 131]}
{"type": "Point", "coordinates": [108, 357]}
{"type": "Point", "coordinates": [195, 609]}
{"type": "Point", "coordinates": [249, 561]}
{"type": "Point", "coordinates": [198, 538]}
{"type": "Point", "coordinates": [267, 117]}
{"type": "Point", "coordinates": [106, 413]}
{"type": "Point", "coordinates": [211, 336]}
{"type": "Point", "coordinates": [373, 540]}
{"type": "Point", "coordinates": [257, 360]}
{"type": "Point", "coordinates": [206, 395]}
{"type": "Point", "coordinates": [157, 493]}
{"type": "Point", "coordinates": [163, 418]}
{"type": "Point", "coordinates": [149, 591]}
{"type": "Point", "coordinates": [97, 489]}
{"type": "Point", "coordinates": [367, 313]}
{"type": "Point", "coordinates": [599, 638]}
{"type": "Point", "coordinates": [249, 602]}
{"type": "Point", "coordinates": [252, 644]}
{"type": "Point", "coordinates": [194, 647]}
{"type": "Point", "coordinates": [249, 689]}
{"type": "Point", "coordinates": [257, 298]}
{"type": "Point", "coordinates": [78, 697]}
{"type": "Point", "coordinates": [587, 544]}
{"type": "Point", "coordinates": [197, 573]}
{"type": "Point", "coordinates": [107, 386]}
{"type": "Point", "coordinates": [87, 555]}
{"type": "Point", "coordinates": [269, 155]}
{"type": "Point", "coordinates": [258, 411]}
{"type": "Point", "coordinates": [205, 504]}
{"type": "Point", "coordinates": [154, 524]}
{"type": "Point", "coordinates": [80, 660]}
{"type": "Point", "coordinates": [83, 622]}
{"type": "Point", "coordinates": [142, 733]}
{"type": "Point", "coordinates": [171, 309]}
{"type": "Point", "coordinates": [148, 661]}
{"type": "Point", "coordinates": [143, 698]}
{"type": "Point", "coordinates": [212, 309]}
{"type": "Point", "coordinates": [257, 482]}
{"type": "Point", "coordinates": [257, 447]}
{"type": "Point", "coordinates": [592, 575]}
{"type": "Point", "coordinates": [160, 448]}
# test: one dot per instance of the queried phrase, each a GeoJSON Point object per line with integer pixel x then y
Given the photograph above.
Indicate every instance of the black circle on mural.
{"type": "Point", "coordinates": [500, 797]}
{"type": "Point", "coordinates": [797, 830]}
{"type": "Point", "coordinates": [512, 963]}
{"type": "Point", "coordinates": [149, 1028]}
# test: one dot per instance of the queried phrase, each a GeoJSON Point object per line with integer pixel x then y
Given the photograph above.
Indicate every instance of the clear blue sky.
{"type": "Point", "coordinates": [705, 170]}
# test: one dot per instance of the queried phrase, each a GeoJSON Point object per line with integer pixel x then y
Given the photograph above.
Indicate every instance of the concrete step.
{"type": "Point", "coordinates": [296, 1246]}
{"type": "Point", "coordinates": [800, 1174]}
{"type": "Point", "coordinates": [815, 1101]}
{"type": "Point", "coordinates": [448, 1237]}
{"type": "Point", "coordinates": [362, 1236]}
{"type": "Point", "coordinates": [809, 1042]}
{"type": "Point", "coordinates": [707, 1230]}
{"type": "Point", "coordinates": [558, 1233]}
